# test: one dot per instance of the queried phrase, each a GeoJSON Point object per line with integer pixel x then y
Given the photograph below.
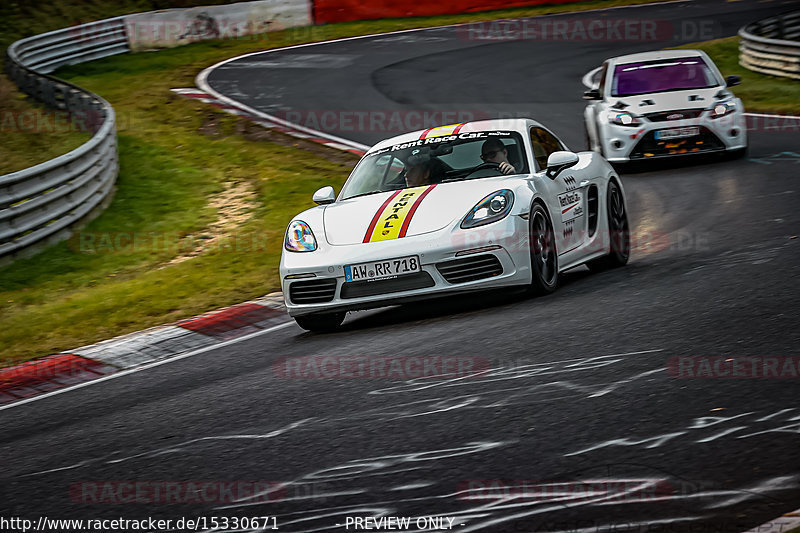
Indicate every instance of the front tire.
{"type": "Point", "coordinates": [618, 232]}
{"type": "Point", "coordinates": [544, 256]}
{"type": "Point", "coordinates": [320, 323]}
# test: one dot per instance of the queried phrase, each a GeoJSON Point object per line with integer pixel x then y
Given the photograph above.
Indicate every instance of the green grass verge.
{"type": "Point", "coordinates": [759, 93]}
{"type": "Point", "coordinates": [176, 156]}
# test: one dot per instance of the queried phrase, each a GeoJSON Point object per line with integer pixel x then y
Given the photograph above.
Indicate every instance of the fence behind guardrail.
{"type": "Point", "coordinates": [772, 46]}
{"type": "Point", "coordinates": [44, 203]}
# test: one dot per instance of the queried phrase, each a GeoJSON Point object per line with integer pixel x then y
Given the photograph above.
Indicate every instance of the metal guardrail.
{"type": "Point", "coordinates": [44, 203]}
{"type": "Point", "coordinates": [772, 46]}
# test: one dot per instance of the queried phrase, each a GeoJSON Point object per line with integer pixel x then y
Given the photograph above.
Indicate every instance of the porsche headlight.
{"type": "Point", "coordinates": [299, 237]}
{"type": "Point", "coordinates": [623, 118]}
{"type": "Point", "coordinates": [492, 208]}
{"type": "Point", "coordinates": [723, 108]}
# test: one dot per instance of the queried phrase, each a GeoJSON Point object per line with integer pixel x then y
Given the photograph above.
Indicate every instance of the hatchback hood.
{"type": "Point", "coordinates": [659, 102]}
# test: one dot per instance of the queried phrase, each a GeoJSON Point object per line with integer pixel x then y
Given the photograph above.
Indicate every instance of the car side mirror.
{"type": "Point", "coordinates": [592, 94]}
{"type": "Point", "coordinates": [558, 161]}
{"type": "Point", "coordinates": [733, 80]}
{"type": "Point", "coordinates": [325, 195]}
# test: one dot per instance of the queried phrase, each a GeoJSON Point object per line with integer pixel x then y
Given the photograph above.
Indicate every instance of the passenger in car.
{"type": "Point", "coordinates": [424, 171]}
{"type": "Point", "coordinates": [418, 174]}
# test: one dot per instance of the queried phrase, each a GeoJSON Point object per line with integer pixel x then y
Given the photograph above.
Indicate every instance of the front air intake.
{"type": "Point", "coordinates": [315, 291]}
{"type": "Point", "coordinates": [470, 268]}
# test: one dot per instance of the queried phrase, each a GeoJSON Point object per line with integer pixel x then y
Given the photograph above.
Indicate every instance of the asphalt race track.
{"type": "Point", "coordinates": [579, 394]}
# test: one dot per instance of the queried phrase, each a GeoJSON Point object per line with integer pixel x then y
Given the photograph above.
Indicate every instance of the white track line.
{"type": "Point", "coordinates": [782, 524]}
{"type": "Point", "coordinates": [792, 117]}
{"type": "Point", "coordinates": [146, 366]}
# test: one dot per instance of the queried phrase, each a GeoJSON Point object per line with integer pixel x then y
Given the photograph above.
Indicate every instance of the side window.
{"type": "Point", "coordinates": [602, 85]}
{"type": "Point", "coordinates": [544, 144]}
{"type": "Point", "coordinates": [386, 170]}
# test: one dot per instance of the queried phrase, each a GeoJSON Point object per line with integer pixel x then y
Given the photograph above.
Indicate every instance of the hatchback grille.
{"type": "Point", "coordinates": [314, 291]}
{"type": "Point", "coordinates": [665, 115]}
{"type": "Point", "coordinates": [406, 282]}
{"type": "Point", "coordinates": [470, 268]}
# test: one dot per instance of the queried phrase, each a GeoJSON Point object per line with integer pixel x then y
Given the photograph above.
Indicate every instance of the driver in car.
{"type": "Point", "coordinates": [494, 151]}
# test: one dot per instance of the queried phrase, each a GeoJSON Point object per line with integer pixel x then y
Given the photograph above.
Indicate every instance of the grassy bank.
{"type": "Point", "coordinates": [759, 93]}
{"type": "Point", "coordinates": [201, 205]}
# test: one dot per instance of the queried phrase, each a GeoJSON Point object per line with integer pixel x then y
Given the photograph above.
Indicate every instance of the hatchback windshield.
{"type": "Point", "coordinates": [437, 160]}
{"type": "Point", "coordinates": [660, 76]}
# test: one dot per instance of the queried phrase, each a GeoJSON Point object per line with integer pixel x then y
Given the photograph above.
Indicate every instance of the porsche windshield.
{"type": "Point", "coordinates": [437, 160]}
{"type": "Point", "coordinates": [661, 76]}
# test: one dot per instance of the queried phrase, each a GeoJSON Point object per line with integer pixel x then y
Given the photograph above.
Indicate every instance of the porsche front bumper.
{"type": "Point", "coordinates": [452, 260]}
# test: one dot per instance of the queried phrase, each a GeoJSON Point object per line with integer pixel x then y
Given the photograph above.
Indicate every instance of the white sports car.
{"type": "Point", "coordinates": [657, 104]}
{"type": "Point", "coordinates": [453, 209]}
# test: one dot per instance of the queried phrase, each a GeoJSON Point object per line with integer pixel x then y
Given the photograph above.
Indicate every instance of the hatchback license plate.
{"type": "Point", "coordinates": [677, 133]}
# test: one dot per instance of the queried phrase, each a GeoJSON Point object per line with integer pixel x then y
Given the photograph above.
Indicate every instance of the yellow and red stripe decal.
{"type": "Point", "coordinates": [441, 131]}
{"type": "Point", "coordinates": [394, 215]}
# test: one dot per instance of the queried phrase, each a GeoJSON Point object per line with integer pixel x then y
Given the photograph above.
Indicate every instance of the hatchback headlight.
{"type": "Point", "coordinates": [721, 109]}
{"type": "Point", "coordinates": [623, 118]}
{"type": "Point", "coordinates": [299, 237]}
{"type": "Point", "coordinates": [492, 208]}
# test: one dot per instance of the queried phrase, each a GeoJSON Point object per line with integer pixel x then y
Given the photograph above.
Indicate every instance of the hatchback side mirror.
{"type": "Point", "coordinates": [592, 94]}
{"type": "Point", "coordinates": [733, 80]}
{"type": "Point", "coordinates": [558, 161]}
{"type": "Point", "coordinates": [325, 195]}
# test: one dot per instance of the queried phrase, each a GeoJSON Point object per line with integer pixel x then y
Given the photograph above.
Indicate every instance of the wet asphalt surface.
{"type": "Point", "coordinates": [578, 410]}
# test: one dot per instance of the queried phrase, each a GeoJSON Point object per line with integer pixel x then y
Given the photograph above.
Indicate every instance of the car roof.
{"type": "Point", "coordinates": [519, 125]}
{"type": "Point", "coordinates": [655, 56]}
